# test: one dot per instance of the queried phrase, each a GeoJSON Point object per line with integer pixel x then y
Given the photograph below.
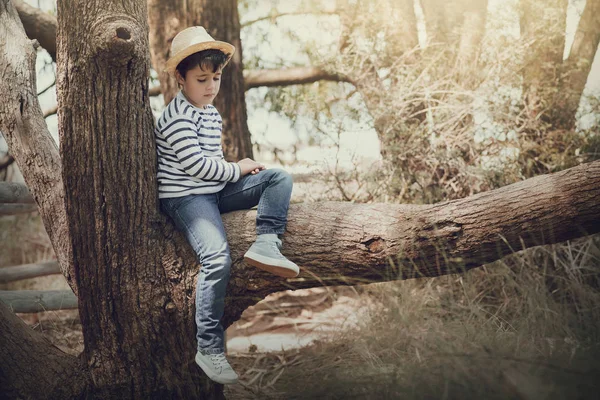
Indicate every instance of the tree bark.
{"type": "Point", "coordinates": [32, 368]}
{"type": "Point", "coordinates": [357, 242]}
{"type": "Point", "coordinates": [135, 298]}
{"type": "Point", "coordinates": [221, 20]}
{"type": "Point", "coordinates": [28, 138]}
{"type": "Point", "coordinates": [38, 25]}
{"type": "Point", "coordinates": [579, 63]}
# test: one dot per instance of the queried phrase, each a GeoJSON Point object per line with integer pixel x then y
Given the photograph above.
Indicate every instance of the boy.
{"type": "Point", "coordinates": [196, 185]}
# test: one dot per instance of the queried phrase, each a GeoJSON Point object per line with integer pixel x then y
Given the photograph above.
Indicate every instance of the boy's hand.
{"type": "Point", "coordinates": [249, 166]}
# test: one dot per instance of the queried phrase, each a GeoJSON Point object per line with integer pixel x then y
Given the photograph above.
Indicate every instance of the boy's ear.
{"type": "Point", "coordinates": [179, 78]}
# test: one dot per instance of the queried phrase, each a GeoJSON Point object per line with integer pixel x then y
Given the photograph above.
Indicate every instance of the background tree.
{"type": "Point", "coordinates": [221, 20]}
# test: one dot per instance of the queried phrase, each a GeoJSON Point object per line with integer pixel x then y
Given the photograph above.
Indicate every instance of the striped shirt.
{"type": "Point", "coordinates": [190, 156]}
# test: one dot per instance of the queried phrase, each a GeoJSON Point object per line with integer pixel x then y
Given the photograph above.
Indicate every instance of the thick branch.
{"type": "Point", "coordinates": [28, 138]}
{"type": "Point", "coordinates": [365, 243]}
{"type": "Point", "coordinates": [26, 271]}
{"type": "Point", "coordinates": [32, 368]}
{"type": "Point", "coordinates": [289, 76]}
{"type": "Point", "coordinates": [272, 17]}
{"type": "Point", "coordinates": [345, 243]}
{"type": "Point", "coordinates": [38, 25]}
{"type": "Point", "coordinates": [281, 77]}
{"type": "Point", "coordinates": [51, 111]}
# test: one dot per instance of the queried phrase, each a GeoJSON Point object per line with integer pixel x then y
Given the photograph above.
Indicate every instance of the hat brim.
{"type": "Point", "coordinates": [172, 62]}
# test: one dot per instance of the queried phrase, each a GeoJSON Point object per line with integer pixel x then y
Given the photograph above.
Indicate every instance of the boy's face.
{"type": "Point", "coordinates": [200, 85]}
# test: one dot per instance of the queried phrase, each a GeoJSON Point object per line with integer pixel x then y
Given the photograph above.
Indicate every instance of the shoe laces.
{"type": "Point", "coordinates": [219, 361]}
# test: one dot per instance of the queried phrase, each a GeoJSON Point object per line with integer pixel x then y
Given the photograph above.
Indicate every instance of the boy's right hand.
{"type": "Point", "coordinates": [248, 165]}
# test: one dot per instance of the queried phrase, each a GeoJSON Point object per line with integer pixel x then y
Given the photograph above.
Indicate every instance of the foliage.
{"type": "Point", "coordinates": [448, 129]}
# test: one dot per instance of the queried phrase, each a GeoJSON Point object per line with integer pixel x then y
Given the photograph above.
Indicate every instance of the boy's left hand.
{"type": "Point", "coordinates": [257, 170]}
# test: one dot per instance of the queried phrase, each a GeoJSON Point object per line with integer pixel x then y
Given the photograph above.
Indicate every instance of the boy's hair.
{"type": "Point", "coordinates": [205, 59]}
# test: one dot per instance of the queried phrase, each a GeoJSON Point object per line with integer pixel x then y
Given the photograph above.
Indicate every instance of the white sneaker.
{"type": "Point", "coordinates": [265, 254]}
{"type": "Point", "coordinates": [216, 367]}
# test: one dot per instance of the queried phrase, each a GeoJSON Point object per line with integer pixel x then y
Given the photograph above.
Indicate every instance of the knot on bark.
{"type": "Point", "coordinates": [118, 38]}
{"type": "Point", "coordinates": [374, 244]}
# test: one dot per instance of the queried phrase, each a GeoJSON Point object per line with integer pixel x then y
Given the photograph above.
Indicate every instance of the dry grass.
{"type": "Point", "coordinates": [526, 327]}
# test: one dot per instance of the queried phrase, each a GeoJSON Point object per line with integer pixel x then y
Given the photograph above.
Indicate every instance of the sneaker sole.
{"type": "Point", "coordinates": [213, 376]}
{"type": "Point", "coordinates": [270, 265]}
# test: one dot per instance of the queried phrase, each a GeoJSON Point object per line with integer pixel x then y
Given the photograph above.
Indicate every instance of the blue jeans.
{"type": "Point", "coordinates": [199, 218]}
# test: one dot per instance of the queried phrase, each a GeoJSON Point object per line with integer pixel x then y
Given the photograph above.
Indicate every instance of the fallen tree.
{"type": "Point", "coordinates": [133, 272]}
{"type": "Point", "coordinates": [32, 301]}
{"type": "Point", "coordinates": [26, 271]}
{"type": "Point", "coordinates": [12, 192]}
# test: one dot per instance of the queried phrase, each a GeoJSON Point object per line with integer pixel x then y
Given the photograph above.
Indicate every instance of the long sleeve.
{"type": "Point", "coordinates": [183, 136]}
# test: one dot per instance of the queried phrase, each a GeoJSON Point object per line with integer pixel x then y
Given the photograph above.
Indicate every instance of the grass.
{"type": "Point", "coordinates": [526, 327]}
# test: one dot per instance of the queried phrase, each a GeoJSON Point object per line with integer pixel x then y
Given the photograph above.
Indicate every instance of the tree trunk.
{"type": "Point", "coordinates": [135, 300]}
{"type": "Point", "coordinates": [457, 28]}
{"type": "Point", "coordinates": [221, 20]}
{"type": "Point", "coordinates": [358, 241]}
{"type": "Point", "coordinates": [543, 26]}
{"type": "Point", "coordinates": [28, 138]}
{"type": "Point", "coordinates": [444, 20]}
{"type": "Point", "coordinates": [471, 35]}
{"type": "Point", "coordinates": [579, 63]}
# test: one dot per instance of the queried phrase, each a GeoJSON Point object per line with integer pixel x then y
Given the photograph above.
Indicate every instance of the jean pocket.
{"type": "Point", "coordinates": [172, 204]}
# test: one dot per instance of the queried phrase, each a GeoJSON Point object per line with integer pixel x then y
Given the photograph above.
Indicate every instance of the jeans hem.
{"type": "Point", "coordinates": [211, 351]}
{"type": "Point", "coordinates": [270, 231]}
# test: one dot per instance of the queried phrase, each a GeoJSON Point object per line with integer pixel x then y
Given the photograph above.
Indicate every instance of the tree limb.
{"type": "Point", "coordinates": [51, 111]}
{"type": "Point", "coordinates": [289, 76]}
{"type": "Point", "coordinates": [38, 25]}
{"type": "Point", "coordinates": [274, 16]}
{"type": "Point", "coordinates": [154, 91]}
{"type": "Point", "coordinates": [32, 368]}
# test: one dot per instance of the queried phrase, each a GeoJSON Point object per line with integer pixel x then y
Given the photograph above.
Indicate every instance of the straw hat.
{"type": "Point", "coordinates": [192, 40]}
